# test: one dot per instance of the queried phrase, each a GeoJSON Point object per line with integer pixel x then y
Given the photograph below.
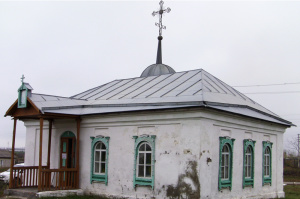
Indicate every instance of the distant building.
{"type": "Point", "coordinates": [5, 158]}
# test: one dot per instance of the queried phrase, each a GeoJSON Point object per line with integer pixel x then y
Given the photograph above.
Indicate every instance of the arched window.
{"type": "Point", "coordinates": [144, 160]}
{"type": "Point", "coordinates": [248, 175]}
{"type": "Point", "coordinates": [99, 162]}
{"type": "Point", "coordinates": [267, 163]}
{"type": "Point", "coordinates": [144, 163]}
{"type": "Point", "coordinates": [225, 165]}
{"type": "Point", "coordinates": [267, 155]}
{"type": "Point", "coordinates": [99, 158]}
{"type": "Point", "coordinates": [225, 162]}
{"type": "Point", "coordinates": [248, 162]}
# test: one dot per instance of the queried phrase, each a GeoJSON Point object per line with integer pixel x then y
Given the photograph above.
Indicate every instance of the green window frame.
{"type": "Point", "coordinates": [22, 96]}
{"type": "Point", "coordinates": [248, 163]}
{"type": "Point", "coordinates": [99, 159]}
{"type": "Point", "coordinates": [143, 161]}
{"type": "Point", "coordinates": [225, 162]}
{"type": "Point", "coordinates": [267, 163]}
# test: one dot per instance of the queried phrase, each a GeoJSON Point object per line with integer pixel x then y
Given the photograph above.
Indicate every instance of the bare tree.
{"type": "Point", "coordinates": [294, 145]}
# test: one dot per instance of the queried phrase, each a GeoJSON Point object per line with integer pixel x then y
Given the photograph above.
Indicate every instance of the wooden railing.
{"type": "Point", "coordinates": [59, 179]}
{"type": "Point", "coordinates": [25, 176]}
{"type": "Point", "coordinates": [51, 179]}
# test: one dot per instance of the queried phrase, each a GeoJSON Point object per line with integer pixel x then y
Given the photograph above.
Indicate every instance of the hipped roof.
{"type": "Point", "coordinates": [195, 88]}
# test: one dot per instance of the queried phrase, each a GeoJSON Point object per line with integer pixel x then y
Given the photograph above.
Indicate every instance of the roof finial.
{"type": "Point", "coordinates": [22, 79]}
{"type": "Point", "coordinates": [160, 12]}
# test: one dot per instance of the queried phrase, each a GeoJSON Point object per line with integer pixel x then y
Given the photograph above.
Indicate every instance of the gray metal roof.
{"type": "Point", "coordinates": [181, 89]}
{"type": "Point", "coordinates": [42, 101]}
{"type": "Point", "coordinates": [28, 86]}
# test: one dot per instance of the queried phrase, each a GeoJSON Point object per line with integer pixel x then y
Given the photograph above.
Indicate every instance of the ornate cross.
{"type": "Point", "coordinates": [160, 12]}
{"type": "Point", "coordinates": [22, 79]}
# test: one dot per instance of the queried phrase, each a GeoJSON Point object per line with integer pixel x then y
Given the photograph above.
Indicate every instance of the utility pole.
{"type": "Point", "coordinates": [298, 145]}
{"type": "Point", "coordinates": [298, 150]}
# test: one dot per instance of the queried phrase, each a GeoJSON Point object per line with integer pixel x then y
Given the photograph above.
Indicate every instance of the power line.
{"type": "Point", "coordinates": [282, 84]}
{"type": "Point", "coordinates": [273, 92]}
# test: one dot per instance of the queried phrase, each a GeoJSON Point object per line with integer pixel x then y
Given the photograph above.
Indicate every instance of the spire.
{"type": "Point", "coordinates": [160, 12]}
{"type": "Point", "coordinates": [159, 55]}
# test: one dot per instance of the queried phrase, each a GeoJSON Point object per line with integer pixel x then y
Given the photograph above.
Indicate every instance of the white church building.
{"type": "Point", "coordinates": [164, 134]}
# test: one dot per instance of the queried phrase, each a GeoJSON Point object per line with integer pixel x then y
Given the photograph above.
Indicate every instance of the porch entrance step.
{"type": "Point", "coordinates": [60, 193]}
{"type": "Point", "coordinates": [32, 193]}
{"type": "Point", "coordinates": [29, 193]}
{"type": "Point", "coordinates": [12, 197]}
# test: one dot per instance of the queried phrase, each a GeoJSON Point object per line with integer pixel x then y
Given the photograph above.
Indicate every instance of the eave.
{"type": "Point", "coordinates": [33, 112]}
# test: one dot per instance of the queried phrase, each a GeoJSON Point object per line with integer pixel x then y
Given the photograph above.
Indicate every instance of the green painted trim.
{"type": "Point", "coordinates": [151, 141]}
{"type": "Point", "coordinates": [230, 142]}
{"type": "Point", "coordinates": [266, 180]}
{"type": "Point", "coordinates": [22, 88]}
{"type": "Point", "coordinates": [249, 181]}
{"type": "Point", "coordinates": [97, 177]}
{"type": "Point", "coordinates": [67, 134]}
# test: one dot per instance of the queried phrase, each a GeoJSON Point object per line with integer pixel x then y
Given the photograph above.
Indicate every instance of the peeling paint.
{"type": "Point", "coordinates": [188, 185]}
{"type": "Point", "coordinates": [186, 151]}
{"type": "Point", "coordinates": [208, 160]}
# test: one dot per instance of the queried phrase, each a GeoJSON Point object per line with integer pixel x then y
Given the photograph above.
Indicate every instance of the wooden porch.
{"type": "Point", "coordinates": [42, 177]}
{"type": "Point", "coordinates": [51, 179]}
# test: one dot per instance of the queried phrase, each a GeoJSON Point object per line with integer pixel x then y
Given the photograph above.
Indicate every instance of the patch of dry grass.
{"type": "Point", "coordinates": [292, 191]}
{"type": "Point", "coordinates": [3, 186]}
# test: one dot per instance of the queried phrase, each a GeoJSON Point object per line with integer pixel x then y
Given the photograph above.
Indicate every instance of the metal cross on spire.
{"type": "Point", "coordinates": [22, 79]}
{"type": "Point", "coordinates": [160, 12]}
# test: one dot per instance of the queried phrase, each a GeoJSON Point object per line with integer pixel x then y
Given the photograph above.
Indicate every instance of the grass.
{"type": "Point", "coordinates": [291, 174]}
{"type": "Point", "coordinates": [292, 191]}
{"type": "Point", "coordinates": [291, 178]}
{"type": "Point", "coordinates": [3, 186]}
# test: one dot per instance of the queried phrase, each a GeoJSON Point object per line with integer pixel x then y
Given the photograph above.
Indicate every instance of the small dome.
{"type": "Point", "coordinates": [157, 69]}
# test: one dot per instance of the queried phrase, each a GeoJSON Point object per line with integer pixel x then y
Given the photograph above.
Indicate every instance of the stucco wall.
{"type": "Point", "coordinates": [187, 153]}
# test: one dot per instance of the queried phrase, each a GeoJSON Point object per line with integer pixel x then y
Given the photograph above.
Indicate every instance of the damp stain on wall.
{"type": "Point", "coordinates": [188, 185]}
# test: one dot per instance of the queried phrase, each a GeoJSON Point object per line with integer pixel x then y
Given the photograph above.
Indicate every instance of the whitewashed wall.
{"type": "Point", "coordinates": [187, 152]}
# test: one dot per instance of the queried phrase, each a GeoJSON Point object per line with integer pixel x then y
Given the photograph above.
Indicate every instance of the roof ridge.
{"type": "Point", "coordinates": [241, 94]}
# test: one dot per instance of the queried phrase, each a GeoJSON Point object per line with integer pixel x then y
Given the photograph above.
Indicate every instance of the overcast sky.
{"type": "Point", "coordinates": [64, 48]}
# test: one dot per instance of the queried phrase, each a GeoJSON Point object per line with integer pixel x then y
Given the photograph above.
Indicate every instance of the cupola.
{"type": "Point", "coordinates": [159, 68]}
{"type": "Point", "coordinates": [23, 92]}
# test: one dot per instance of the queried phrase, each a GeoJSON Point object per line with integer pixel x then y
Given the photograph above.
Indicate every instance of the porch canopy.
{"type": "Point", "coordinates": [40, 176]}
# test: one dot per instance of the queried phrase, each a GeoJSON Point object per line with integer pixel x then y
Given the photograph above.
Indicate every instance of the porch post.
{"type": "Point", "coordinates": [49, 143]}
{"type": "Point", "coordinates": [40, 154]}
{"type": "Point", "coordinates": [78, 120]}
{"type": "Point", "coordinates": [12, 155]}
